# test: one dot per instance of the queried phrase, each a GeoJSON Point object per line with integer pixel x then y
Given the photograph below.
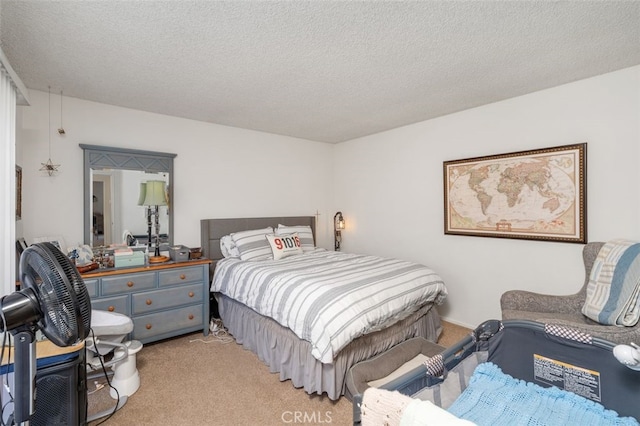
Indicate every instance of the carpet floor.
{"type": "Point", "coordinates": [193, 380]}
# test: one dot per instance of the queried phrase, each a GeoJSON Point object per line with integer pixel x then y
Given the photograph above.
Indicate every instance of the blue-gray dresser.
{"type": "Point", "coordinates": [163, 300]}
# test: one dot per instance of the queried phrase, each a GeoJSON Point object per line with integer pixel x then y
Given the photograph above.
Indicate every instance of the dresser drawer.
{"type": "Point", "coordinates": [128, 283]}
{"type": "Point", "coordinates": [119, 304]}
{"type": "Point", "coordinates": [147, 326]}
{"type": "Point", "coordinates": [166, 298]}
{"type": "Point", "coordinates": [182, 275]}
{"type": "Point", "coordinates": [92, 287]}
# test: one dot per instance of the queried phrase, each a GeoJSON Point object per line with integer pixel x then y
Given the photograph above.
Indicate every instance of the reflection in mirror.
{"type": "Point", "coordinates": [112, 181]}
{"type": "Point", "coordinates": [153, 195]}
{"type": "Point", "coordinates": [115, 210]}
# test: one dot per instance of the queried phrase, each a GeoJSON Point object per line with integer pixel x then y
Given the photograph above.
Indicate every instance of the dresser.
{"type": "Point", "coordinates": [163, 300]}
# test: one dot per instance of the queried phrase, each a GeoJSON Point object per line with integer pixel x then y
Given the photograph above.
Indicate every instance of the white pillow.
{"type": "Point", "coordinates": [252, 244]}
{"type": "Point", "coordinates": [228, 247]}
{"type": "Point", "coordinates": [304, 232]}
{"type": "Point", "coordinates": [284, 245]}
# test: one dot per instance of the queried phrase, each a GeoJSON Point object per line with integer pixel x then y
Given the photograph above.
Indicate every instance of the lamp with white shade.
{"type": "Point", "coordinates": [153, 194]}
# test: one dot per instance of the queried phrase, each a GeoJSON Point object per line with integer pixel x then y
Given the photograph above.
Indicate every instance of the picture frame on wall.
{"type": "Point", "coordinates": [18, 192]}
{"type": "Point", "coordinates": [538, 194]}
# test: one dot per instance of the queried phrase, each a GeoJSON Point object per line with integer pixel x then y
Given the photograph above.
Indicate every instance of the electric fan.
{"type": "Point", "coordinates": [54, 300]}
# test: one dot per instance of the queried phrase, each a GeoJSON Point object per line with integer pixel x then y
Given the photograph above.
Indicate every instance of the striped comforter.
{"type": "Point", "coordinates": [330, 298]}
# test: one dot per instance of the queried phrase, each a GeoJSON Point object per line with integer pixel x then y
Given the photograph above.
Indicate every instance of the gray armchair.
{"type": "Point", "coordinates": [565, 310]}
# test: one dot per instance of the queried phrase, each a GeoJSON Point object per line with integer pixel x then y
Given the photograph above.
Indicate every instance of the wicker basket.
{"type": "Point", "coordinates": [195, 253]}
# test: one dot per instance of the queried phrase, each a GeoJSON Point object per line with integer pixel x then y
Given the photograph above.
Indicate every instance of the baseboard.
{"type": "Point", "coordinates": [458, 323]}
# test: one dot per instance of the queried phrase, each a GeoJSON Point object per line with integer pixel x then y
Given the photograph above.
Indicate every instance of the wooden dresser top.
{"type": "Point", "coordinates": [97, 273]}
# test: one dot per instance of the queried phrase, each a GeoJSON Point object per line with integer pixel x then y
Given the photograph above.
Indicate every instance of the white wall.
{"type": "Point", "coordinates": [219, 171]}
{"type": "Point", "coordinates": [388, 185]}
{"type": "Point", "coordinates": [391, 189]}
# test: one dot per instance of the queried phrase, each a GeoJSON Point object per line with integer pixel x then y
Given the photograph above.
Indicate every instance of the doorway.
{"type": "Point", "coordinates": [102, 210]}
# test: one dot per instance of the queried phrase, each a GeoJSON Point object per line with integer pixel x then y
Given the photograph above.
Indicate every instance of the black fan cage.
{"type": "Point", "coordinates": [64, 301]}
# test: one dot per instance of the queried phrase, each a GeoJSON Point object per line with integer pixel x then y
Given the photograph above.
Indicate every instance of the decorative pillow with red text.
{"type": "Point", "coordinates": [284, 245]}
{"type": "Point", "coordinates": [304, 232]}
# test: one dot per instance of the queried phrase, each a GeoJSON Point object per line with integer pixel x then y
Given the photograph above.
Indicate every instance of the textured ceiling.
{"type": "Point", "coordinates": [320, 70]}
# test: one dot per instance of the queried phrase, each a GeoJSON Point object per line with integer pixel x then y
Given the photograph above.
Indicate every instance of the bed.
{"type": "Point", "coordinates": [317, 367]}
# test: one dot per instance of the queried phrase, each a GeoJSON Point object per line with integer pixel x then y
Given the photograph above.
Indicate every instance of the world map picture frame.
{"type": "Point", "coordinates": [538, 194]}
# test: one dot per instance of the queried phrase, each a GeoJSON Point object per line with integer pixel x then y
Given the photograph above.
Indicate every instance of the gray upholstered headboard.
{"type": "Point", "coordinates": [211, 230]}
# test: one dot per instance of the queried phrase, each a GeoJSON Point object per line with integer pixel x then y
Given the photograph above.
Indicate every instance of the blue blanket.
{"type": "Point", "coordinates": [494, 398]}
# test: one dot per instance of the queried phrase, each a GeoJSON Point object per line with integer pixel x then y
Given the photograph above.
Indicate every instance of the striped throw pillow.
{"type": "Point", "coordinates": [253, 244]}
{"type": "Point", "coordinates": [304, 232]}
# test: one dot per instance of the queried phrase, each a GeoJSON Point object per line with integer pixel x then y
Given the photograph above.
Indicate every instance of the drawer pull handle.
{"type": "Point", "coordinates": [149, 301]}
{"type": "Point", "coordinates": [183, 276]}
{"type": "Point", "coordinates": [190, 316]}
{"type": "Point", "coordinates": [148, 326]}
{"type": "Point", "coordinates": [191, 294]}
{"type": "Point", "coordinates": [111, 308]}
{"type": "Point", "coordinates": [130, 284]}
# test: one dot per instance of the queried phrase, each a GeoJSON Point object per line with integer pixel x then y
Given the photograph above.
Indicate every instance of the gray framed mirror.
{"type": "Point", "coordinates": [112, 204]}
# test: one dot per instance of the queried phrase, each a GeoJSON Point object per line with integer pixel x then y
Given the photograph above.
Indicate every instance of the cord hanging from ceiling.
{"type": "Point", "coordinates": [49, 167]}
{"type": "Point", "coordinates": [61, 128]}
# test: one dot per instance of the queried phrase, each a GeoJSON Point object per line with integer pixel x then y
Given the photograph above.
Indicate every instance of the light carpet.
{"type": "Point", "coordinates": [196, 380]}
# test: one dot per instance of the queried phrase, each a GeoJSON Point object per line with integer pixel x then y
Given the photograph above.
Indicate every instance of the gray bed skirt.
{"type": "Point", "coordinates": [285, 353]}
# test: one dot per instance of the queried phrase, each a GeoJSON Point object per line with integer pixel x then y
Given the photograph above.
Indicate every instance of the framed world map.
{"type": "Point", "coordinates": [538, 194]}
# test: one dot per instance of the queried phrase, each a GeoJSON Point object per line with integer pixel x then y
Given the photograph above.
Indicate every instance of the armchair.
{"type": "Point", "coordinates": [566, 310]}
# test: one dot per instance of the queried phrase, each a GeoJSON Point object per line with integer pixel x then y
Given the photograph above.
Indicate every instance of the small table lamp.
{"type": "Point", "coordinates": [141, 197]}
{"type": "Point", "coordinates": [153, 195]}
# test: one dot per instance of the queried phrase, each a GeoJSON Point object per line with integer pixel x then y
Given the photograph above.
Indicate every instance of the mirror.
{"type": "Point", "coordinates": [112, 180]}
{"type": "Point", "coordinates": [115, 209]}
